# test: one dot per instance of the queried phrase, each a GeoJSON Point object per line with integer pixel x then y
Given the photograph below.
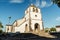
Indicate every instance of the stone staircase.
{"type": "Point", "coordinates": [44, 34]}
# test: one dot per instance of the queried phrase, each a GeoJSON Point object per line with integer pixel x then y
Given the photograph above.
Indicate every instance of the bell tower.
{"type": "Point", "coordinates": [35, 18]}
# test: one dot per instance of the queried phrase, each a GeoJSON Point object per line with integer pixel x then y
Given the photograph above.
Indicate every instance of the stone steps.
{"type": "Point", "coordinates": [44, 34]}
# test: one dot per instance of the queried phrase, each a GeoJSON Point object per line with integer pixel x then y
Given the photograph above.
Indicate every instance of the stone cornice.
{"type": "Point", "coordinates": [36, 19]}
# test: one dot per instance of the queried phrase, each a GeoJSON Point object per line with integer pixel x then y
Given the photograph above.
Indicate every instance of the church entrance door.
{"type": "Point", "coordinates": [37, 28]}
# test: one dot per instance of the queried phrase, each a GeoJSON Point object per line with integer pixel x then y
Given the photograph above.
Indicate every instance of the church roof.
{"type": "Point", "coordinates": [8, 25]}
{"type": "Point", "coordinates": [32, 5]}
{"type": "Point", "coordinates": [58, 26]}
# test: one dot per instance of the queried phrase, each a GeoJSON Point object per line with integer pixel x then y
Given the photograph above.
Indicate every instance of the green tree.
{"type": "Point", "coordinates": [46, 30]}
{"type": "Point", "coordinates": [52, 29]}
{"type": "Point", "coordinates": [1, 26]}
{"type": "Point", "coordinates": [56, 2]}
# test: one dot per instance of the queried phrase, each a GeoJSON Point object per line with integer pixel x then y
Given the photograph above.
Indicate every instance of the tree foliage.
{"type": "Point", "coordinates": [1, 31]}
{"type": "Point", "coordinates": [56, 2]}
{"type": "Point", "coordinates": [46, 30]}
{"type": "Point", "coordinates": [53, 29]}
{"type": "Point", "coordinates": [1, 26]}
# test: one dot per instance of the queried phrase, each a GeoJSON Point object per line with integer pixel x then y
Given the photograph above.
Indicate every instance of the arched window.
{"type": "Point", "coordinates": [27, 11]}
{"type": "Point", "coordinates": [26, 25]}
{"type": "Point", "coordinates": [36, 10]}
{"type": "Point", "coordinates": [33, 10]}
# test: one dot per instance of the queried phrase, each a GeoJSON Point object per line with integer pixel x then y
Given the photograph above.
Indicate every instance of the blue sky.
{"type": "Point", "coordinates": [15, 8]}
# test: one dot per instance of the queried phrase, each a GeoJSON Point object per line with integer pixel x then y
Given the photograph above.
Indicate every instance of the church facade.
{"type": "Point", "coordinates": [32, 21]}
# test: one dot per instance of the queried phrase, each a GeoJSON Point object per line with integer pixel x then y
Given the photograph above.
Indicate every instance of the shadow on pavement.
{"type": "Point", "coordinates": [26, 36]}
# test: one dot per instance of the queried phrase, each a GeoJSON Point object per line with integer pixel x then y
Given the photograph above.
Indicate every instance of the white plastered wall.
{"type": "Point", "coordinates": [58, 29]}
{"type": "Point", "coordinates": [8, 27]}
{"type": "Point", "coordinates": [21, 28]}
{"type": "Point", "coordinates": [36, 21]}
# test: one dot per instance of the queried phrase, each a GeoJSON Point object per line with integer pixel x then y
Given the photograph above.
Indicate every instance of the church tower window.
{"type": "Point", "coordinates": [33, 10]}
{"type": "Point", "coordinates": [36, 10]}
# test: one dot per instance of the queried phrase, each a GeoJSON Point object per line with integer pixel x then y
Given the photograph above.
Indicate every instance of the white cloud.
{"type": "Point", "coordinates": [37, 3]}
{"type": "Point", "coordinates": [43, 3]}
{"type": "Point", "coordinates": [48, 5]}
{"type": "Point", "coordinates": [58, 19]}
{"type": "Point", "coordinates": [16, 1]}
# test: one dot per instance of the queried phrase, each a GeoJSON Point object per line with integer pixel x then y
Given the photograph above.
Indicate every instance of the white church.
{"type": "Point", "coordinates": [32, 22]}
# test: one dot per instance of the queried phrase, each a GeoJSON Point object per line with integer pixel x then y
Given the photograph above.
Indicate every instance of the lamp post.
{"type": "Point", "coordinates": [9, 19]}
